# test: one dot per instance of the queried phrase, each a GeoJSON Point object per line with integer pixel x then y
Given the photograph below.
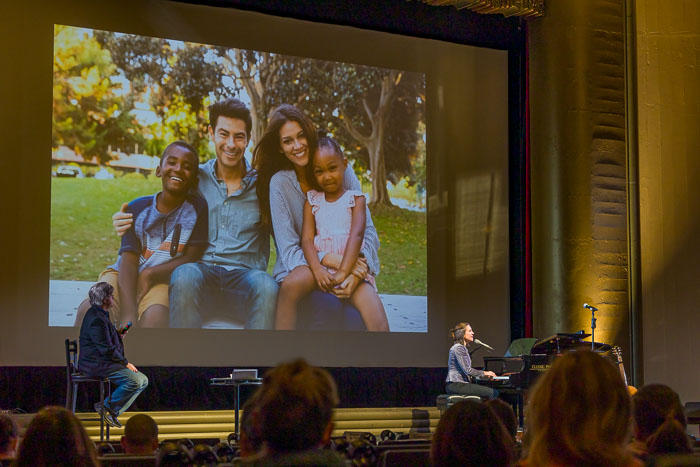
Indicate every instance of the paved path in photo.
{"type": "Point", "coordinates": [406, 313]}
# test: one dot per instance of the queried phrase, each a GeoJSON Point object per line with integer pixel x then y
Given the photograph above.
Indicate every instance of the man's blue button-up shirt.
{"type": "Point", "coordinates": [237, 238]}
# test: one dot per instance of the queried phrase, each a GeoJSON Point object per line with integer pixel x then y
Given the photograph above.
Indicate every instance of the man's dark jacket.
{"type": "Point", "coordinates": [101, 347]}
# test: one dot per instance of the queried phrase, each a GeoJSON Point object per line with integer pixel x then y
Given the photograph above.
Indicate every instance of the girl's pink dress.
{"type": "Point", "coordinates": [333, 222]}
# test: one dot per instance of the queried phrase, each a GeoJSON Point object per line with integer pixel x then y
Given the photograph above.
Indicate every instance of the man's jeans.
{"type": "Point", "coordinates": [253, 288]}
{"type": "Point", "coordinates": [129, 385]}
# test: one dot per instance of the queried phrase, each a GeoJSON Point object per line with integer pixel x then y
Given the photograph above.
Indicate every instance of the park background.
{"type": "Point", "coordinates": [119, 99]}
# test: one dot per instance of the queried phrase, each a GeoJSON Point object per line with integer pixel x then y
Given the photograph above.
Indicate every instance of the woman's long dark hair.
{"type": "Point", "coordinates": [268, 158]}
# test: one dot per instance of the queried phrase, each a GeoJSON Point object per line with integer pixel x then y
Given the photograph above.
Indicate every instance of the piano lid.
{"type": "Point", "coordinates": [560, 342]}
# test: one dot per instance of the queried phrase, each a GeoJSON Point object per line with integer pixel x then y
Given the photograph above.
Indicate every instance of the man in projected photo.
{"type": "Point", "coordinates": [238, 252]}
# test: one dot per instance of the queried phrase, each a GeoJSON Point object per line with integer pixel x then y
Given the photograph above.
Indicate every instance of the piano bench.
{"type": "Point", "coordinates": [445, 401]}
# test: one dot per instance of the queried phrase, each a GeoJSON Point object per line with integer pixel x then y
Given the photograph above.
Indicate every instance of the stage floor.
{"type": "Point", "coordinates": [219, 423]}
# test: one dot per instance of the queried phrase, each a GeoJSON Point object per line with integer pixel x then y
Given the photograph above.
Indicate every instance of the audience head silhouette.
{"type": "Point", "coordinates": [660, 421]}
{"type": "Point", "coordinates": [140, 435]}
{"type": "Point", "coordinates": [296, 403]}
{"type": "Point", "coordinates": [56, 437]}
{"type": "Point", "coordinates": [8, 437]}
{"type": "Point", "coordinates": [469, 433]}
{"type": "Point", "coordinates": [250, 441]}
{"type": "Point", "coordinates": [579, 414]}
{"type": "Point", "coordinates": [505, 414]}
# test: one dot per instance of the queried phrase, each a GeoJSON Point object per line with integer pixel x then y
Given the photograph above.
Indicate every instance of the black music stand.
{"type": "Point", "coordinates": [236, 383]}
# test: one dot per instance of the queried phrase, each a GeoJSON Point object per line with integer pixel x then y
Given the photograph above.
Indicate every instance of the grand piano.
{"type": "Point", "coordinates": [515, 375]}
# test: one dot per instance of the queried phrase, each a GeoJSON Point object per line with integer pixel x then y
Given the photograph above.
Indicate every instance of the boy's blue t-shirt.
{"type": "Point", "coordinates": [151, 234]}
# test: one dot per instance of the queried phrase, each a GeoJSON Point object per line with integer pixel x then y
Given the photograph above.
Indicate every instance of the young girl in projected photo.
{"type": "Point", "coordinates": [334, 222]}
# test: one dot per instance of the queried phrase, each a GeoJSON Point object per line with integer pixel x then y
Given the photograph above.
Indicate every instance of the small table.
{"type": "Point", "coordinates": [236, 383]}
{"type": "Point", "coordinates": [692, 413]}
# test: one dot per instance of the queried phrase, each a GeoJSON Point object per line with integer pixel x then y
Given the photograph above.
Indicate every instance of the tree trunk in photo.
{"type": "Point", "coordinates": [380, 194]}
{"type": "Point", "coordinates": [375, 141]}
{"type": "Point", "coordinates": [255, 77]}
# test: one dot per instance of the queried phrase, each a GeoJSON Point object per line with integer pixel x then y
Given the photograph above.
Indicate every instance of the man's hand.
{"type": "Point", "coordinates": [490, 374]}
{"type": "Point", "coordinates": [132, 367]}
{"type": "Point", "coordinates": [346, 289]}
{"type": "Point", "coordinates": [125, 330]}
{"type": "Point", "coordinates": [122, 220]}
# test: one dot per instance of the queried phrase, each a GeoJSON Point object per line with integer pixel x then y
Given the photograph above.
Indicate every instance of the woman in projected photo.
{"type": "Point", "coordinates": [281, 158]}
{"type": "Point", "coordinates": [334, 222]}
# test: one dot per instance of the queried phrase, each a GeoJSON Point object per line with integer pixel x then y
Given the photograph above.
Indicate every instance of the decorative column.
{"type": "Point", "coordinates": [578, 169]}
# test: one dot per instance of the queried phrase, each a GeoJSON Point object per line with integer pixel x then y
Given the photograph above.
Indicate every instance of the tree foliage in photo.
{"type": "Point", "coordinates": [89, 112]}
{"type": "Point", "coordinates": [377, 115]}
{"type": "Point", "coordinates": [176, 80]}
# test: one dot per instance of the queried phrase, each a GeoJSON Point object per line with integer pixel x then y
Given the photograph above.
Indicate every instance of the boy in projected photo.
{"type": "Point", "coordinates": [238, 244]}
{"type": "Point", "coordinates": [281, 159]}
{"type": "Point", "coordinates": [169, 229]}
{"type": "Point", "coordinates": [334, 222]}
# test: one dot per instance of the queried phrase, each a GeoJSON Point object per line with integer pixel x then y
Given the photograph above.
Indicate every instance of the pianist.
{"type": "Point", "coordinates": [459, 366]}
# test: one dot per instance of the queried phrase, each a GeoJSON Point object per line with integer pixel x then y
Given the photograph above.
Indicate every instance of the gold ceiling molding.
{"type": "Point", "coordinates": [525, 8]}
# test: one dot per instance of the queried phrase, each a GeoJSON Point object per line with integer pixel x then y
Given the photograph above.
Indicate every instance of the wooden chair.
{"type": "Point", "coordinates": [75, 377]}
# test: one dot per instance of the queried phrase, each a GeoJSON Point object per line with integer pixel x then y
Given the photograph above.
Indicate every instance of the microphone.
{"type": "Point", "coordinates": [125, 328]}
{"type": "Point", "coordinates": [590, 307]}
{"type": "Point", "coordinates": [486, 346]}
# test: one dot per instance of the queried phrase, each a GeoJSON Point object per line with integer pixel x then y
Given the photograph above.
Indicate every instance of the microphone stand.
{"type": "Point", "coordinates": [593, 320]}
{"type": "Point", "coordinates": [471, 352]}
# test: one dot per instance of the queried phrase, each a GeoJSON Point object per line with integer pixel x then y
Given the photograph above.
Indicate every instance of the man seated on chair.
{"type": "Point", "coordinates": [140, 436]}
{"type": "Point", "coordinates": [102, 355]}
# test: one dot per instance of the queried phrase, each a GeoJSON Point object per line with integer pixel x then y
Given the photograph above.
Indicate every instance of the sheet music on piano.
{"type": "Point", "coordinates": [493, 378]}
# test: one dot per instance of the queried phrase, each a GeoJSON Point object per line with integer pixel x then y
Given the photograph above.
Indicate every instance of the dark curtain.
{"type": "Point", "coordinates": [188, 388]}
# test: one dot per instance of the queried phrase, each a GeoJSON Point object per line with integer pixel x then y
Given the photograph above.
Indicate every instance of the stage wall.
{"type": "Point", "coordinates": [467, 124]}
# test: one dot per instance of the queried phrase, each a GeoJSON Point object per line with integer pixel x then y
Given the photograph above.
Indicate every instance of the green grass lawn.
{"type": "Point", "coordinates": [403, 252]}
{"type": "Point", "coordinates": [83, 242]}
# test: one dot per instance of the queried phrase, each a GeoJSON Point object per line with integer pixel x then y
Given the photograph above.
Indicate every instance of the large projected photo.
{"type": "Point", "coordinates": [251, 190]}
